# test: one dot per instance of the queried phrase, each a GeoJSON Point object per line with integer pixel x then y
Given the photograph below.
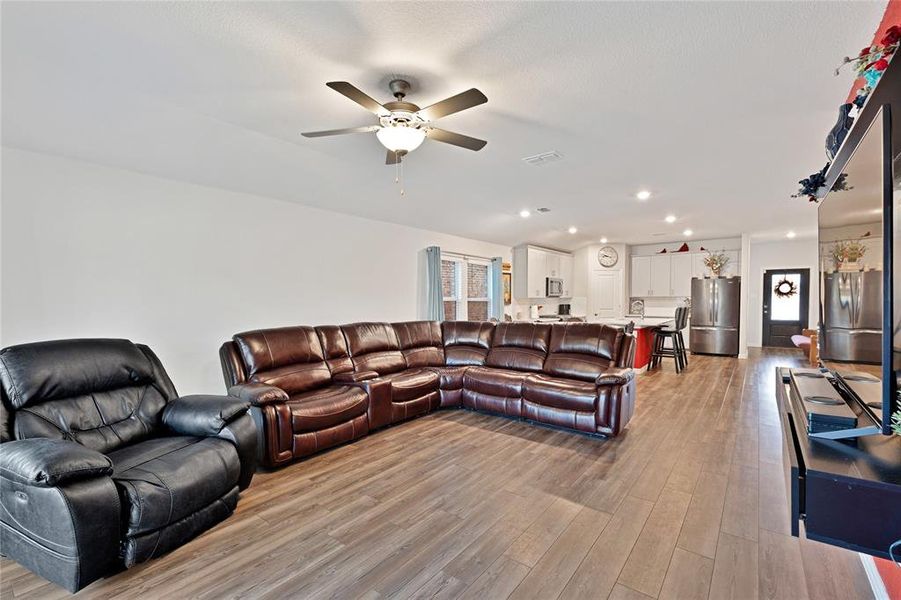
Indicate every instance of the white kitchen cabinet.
{"type": "Point", "coordinates": [533, 265]}
{"type": "Point", "coordinates": [566, 273]}
{"type": "Point", "coordinates": [553, 264]}
{"type": "Point", "coordinates": [641, 277]}
{"type": "Point", "coordinates": [698, 269]}
{"type": "Point", "coordinates": [680, 274]}
{"type": "Point", "coordinates": [537, 273]}
{"type": "Point", "coordinates": [733, 268]}
{"type": "Point", "coordinates": [660, 275]}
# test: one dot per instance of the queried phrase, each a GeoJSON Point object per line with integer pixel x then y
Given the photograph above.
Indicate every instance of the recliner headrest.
{"type": "Point", "coordinates": [43, 371]}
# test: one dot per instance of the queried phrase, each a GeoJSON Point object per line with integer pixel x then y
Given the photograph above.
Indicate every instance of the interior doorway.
{"type": "Point", "coordinates": [786, 304]}
{"type": "Point", "coordinates": [605, 295]}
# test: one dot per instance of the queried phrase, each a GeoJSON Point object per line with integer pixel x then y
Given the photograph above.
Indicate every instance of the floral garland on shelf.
{"type": "Point", "coordinates": [870, 64]}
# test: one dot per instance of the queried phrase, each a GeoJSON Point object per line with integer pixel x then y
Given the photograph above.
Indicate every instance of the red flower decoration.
{"type": "Point", "coordinates": [865, 51]}
{"type": "Point", "coordinates": [880, 65]}
{"type": "Point", "coordinates": [892, 36]}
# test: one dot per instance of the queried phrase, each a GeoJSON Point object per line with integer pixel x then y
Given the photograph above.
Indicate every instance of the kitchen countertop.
{"type": "Point", "coordinates": [640, 322]}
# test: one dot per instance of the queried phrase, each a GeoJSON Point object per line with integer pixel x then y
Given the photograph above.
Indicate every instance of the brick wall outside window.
{"type": "Point", "coordinates": [476, 287]}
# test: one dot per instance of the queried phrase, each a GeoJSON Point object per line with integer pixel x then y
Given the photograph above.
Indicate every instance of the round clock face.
{"type": "Point", "coordinates": [607, 256]}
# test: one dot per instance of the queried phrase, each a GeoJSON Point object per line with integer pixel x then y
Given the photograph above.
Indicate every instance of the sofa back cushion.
{"type": "Point", "coordinates": [337, 357]}
{"type": "Point", "coordinates": [466, 342]}
{"type": "Point", "coordinates": [290, 358]}
{"type": "Point", "coordinates": [582, 350]}
{"type": "Point", "coordinates": [101, 393]}
{"type": "Point", "coordinates": [420, 343]}
{"type": "Point", "coordinates": [374, 347]}
{"type": "Point", "coordinates": [520, 346]}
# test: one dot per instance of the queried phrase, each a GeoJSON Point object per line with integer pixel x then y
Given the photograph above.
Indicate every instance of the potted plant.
{"type": "Point", "coordinates": [847, 254]}
{"type": "Point", "coordinates": [716, 262]}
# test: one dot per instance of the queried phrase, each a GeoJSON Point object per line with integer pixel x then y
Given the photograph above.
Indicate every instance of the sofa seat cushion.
{"type": "Point", "coordinates": [556, 392]}
{"type": "Point", "coordinates": [504, 383]}
{"type": "Point", "coordinates": [163, 480]}
{"type": "Point", "coordinates": [314, 411]}
{"type": "Point", "coordinates": [412, 383]}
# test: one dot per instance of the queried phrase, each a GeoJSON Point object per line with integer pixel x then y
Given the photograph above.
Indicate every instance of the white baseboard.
{"type": "Point", "coordinates": [876, 584]}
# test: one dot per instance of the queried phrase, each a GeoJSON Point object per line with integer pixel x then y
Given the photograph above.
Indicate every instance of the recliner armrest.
{"type": "Point", "coordinates": [203, 415]}
{"type": "Point", "coordinates": [615, 377]}
{"type": "Point", "coordinates": [258, 394]}
{"type": "Point", "coordinates": [45, 462]}
{"type": "Point", "coordinates": [354, 376]}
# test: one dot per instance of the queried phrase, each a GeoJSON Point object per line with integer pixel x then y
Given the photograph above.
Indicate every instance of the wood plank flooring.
{"type": "Point", "coordinates": [689, 503]}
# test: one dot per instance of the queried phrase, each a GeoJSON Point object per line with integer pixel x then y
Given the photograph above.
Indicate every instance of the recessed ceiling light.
{"type": "Point", "coordinates": [670, 218]}
{"type": "Point", "coordinates": [603, 240]}
{"type": "Point", "coordinates": [790, 234]}
{"type": "Point", "coordinates": [524, 213]}
{"type": "Point", "coordinates": [572, 230]}
{"type": "Point", "coordinates": [643, 195]}
{"type": "Point", "coordinates": [687, 232]}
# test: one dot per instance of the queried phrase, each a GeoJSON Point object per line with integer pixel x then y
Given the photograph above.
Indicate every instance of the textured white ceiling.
{"type": "Point", "coordinates": [719, 108]}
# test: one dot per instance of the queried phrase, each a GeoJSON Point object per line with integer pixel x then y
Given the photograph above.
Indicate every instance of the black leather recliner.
{"type": "Point", "coordinates": [102, 465]}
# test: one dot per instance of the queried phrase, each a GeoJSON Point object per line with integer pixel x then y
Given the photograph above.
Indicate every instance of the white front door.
{"type": "Point", "coordinates": [605, 297]}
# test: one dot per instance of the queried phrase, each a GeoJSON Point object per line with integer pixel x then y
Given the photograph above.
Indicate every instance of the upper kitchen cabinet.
{"type": "Point", "coordinates": [566, 273]}
{"type": "Point", "coordinates": [680, 274]}
{"type": "Point", "coordinates": [660, 275]}
{"type": "Point", "coordinates": [670, 274]}
{"type": "Point", "coordinates": [532, 266]}
{"type": "Point", "coordinates": [641, 277]}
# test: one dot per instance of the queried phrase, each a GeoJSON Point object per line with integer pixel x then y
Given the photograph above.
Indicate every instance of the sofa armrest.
{"type": "Point", "coordinates": [354, 376]}
{"type": "Point", "coordinates": [258, 394]}
{"type": "Point", "coordinates": [617, 376]}
{"type": "Point", "coordinates": [203, 415]}
{"type": "Point", "coordinates": [44, 462]}
{"type": "Point", "coordinates": [379, 392]}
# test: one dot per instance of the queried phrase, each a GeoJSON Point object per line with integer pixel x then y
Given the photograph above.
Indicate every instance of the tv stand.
{"type": "Point", "coordinates": [846, 492]}
{"type": "Point", "coordinates": [847, 434]}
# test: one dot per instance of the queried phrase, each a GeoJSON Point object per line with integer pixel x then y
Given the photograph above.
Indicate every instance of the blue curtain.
{"type": "Point", "coordinates": [496, 289]}
{"type": "Point", "coordinates": [434, 297]}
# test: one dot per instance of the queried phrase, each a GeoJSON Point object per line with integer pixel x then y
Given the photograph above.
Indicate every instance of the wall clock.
{"type": "Point", "coordinates": [607, 256]}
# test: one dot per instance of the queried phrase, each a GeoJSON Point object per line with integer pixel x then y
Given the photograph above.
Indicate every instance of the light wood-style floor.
{"type": "Point", "coordinates": [689, 503]}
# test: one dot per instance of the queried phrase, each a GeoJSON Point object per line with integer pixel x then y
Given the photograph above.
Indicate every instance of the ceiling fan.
{"type": "Point", "coordinates": [402, 125]}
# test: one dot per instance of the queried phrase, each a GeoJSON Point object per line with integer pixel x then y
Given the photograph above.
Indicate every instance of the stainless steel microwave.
{"type": "Point", "coordinates": [554, 287]}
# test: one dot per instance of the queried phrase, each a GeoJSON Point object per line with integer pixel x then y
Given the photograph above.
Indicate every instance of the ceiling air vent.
{"type": "Point", "coordinates": [544, 158]}
{"type": "Point", "coordinates": [543, 209]}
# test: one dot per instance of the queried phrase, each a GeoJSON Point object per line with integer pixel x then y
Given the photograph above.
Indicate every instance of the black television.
{"type": "Point", "coordinates": [859, 238]}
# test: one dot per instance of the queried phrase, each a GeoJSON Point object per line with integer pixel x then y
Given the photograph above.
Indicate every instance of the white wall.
{"type": "Point", "coordinates": [91, 251]}
{"type": "Point", "coordinates": [800, 254]}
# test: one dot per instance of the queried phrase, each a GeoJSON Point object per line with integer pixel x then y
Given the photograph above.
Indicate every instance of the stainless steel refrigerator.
{"type": "Point", "coordinates": [715, 306]}
{"type": "Point", "coordinates": [852, 317]}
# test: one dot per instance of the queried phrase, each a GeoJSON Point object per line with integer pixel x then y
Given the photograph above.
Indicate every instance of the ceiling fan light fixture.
{"type": "Point", "coordinates": [400, 138]}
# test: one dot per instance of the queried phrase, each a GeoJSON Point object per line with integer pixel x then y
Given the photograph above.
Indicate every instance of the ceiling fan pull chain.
{"type": "Point", "coordinates": [401, 177]}
{"type": "Point", "coordinates": [396, 169]}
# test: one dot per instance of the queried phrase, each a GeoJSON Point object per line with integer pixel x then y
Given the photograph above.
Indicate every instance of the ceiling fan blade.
{"type": "Point", "coordinates": [393, 157]}
{"type": "Point", "coordinates": [346, 89]}
{"type": "Point", "coordinates": [449, 106]}
{"type": "Point", "coordinates": [313, 134]}
{"type": "Point", "coordinates": [456, 139]}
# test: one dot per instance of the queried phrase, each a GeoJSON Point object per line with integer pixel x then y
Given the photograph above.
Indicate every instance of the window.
{"type": "Point", "coordinates": [465, 286]}
{"type": "Point", "coordinates": [786, 307]}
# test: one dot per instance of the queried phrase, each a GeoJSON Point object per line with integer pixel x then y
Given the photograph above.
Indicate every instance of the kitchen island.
{"type": "Point", "coordinates": [644, 334]}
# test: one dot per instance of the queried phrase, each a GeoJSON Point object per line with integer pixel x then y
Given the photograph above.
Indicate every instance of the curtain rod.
{"type": "Point", "coordinates": [458, 255]}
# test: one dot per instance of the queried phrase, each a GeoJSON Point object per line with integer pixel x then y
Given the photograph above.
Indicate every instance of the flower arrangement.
{"type": "Point", "coordinates": [716, 262]}
{"type": "Point", "coordinates": [847, 252]}
{"type": "Point", "coordinates": [896, 423]}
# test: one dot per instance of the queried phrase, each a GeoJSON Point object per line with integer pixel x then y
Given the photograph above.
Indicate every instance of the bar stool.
{"type": "Point", "coordinates": [674, 333]}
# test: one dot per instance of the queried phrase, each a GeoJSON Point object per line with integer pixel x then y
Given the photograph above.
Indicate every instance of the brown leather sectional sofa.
{"type": "Point", "coordinates": [312, 388]}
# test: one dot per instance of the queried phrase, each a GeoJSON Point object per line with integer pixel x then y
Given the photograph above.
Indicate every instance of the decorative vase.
{"type": "Point", "coordinates": [838, 133]}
